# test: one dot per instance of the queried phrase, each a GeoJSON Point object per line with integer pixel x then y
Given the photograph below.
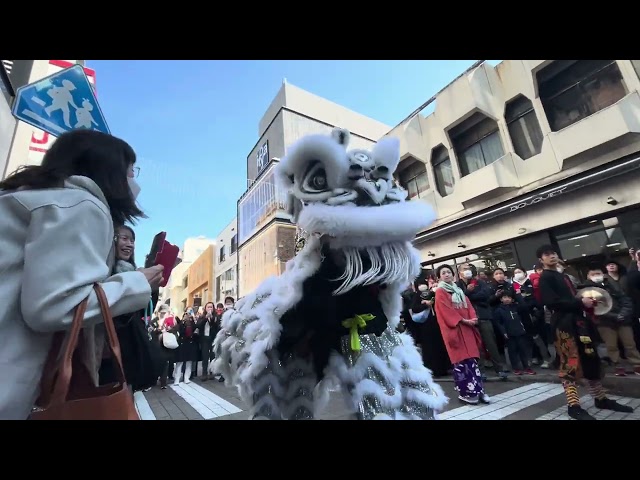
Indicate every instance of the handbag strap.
{"type": "Point", "coordinates": [50, 368]}
{"type": "Point", "coordinates": [112, 335]}
{"type": "Point", "coordinates": [63, 380]}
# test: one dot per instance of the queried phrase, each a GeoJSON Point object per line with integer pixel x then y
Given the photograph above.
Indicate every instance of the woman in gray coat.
{"type": "Point", "coordinates": [57, 236]}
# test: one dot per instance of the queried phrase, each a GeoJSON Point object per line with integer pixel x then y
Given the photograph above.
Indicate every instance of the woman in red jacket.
{"type": "Point", "coordinates": [457, 320]}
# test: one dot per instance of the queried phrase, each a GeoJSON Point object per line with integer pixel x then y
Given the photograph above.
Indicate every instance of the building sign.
{"type": "Point", "coordinates": [262, 157]}
{"type": "Point", "coordinates": [607, 171]}
{"type": "Point", "coordinates": [537, 199]}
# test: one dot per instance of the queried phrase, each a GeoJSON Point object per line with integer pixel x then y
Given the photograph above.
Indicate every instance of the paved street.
{"type": "Point", "coordinates": [510, 401]}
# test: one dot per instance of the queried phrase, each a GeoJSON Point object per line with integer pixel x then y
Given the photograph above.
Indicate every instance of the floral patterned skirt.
{"type": "Point", "coordinates": [467, 378]}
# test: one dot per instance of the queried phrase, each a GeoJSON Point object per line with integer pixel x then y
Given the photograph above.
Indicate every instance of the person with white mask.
{"type": "Point", "coordinates": [532, 315]}
{"type": "Point", "coordinates": [479, 293]}
{"type": "Point", "coordinates": [229, 303]}
{"type": "Point", "coordinates": [57, 221]}
{"type": "Point", "coordinates": [616, 325]}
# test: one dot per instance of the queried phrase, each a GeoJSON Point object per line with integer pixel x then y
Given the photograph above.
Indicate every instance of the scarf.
{"type": "Point", "coordinates": [123, 266]}
{"type": "Point", "coordinates": [458, 297]}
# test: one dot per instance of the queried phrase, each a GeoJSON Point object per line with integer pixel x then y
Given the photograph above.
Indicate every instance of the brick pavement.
{"type": "Point", "coordinates": [511, 400]}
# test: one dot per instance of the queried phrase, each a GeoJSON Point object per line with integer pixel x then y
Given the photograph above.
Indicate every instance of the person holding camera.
{"type": "Point", "coordinates": [57, 221]}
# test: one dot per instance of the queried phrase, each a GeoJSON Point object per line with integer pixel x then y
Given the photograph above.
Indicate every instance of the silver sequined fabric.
{"type": "Point", "coordinates": [371, 406]}
{"type": "Point", "coordinates": [284, 389]}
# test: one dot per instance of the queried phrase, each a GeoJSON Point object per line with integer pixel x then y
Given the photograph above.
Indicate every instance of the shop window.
{"type": "Point", "coordinates": [229, 274]}
{"type": "Point", "coordinates": [524, 128]}
{"type": "Point", "coordinates": [442, 170]}
{"type": "Point", "coordinates": [476, 142]}
{"type": "Point", "coordinates": [490, 258]}
{"type": "Point", "coordinates": [571, 90]}
{"type": "Point", "coordinates": [234, 244]}
{"type": "Point", "coordinates": [630, 224]}
{"type": "Point", "coordinates": [413, 177]}
{"type": "Point", "coordinates": [487, 259]}
{"type": "Point", "coordinates": [591, 239]}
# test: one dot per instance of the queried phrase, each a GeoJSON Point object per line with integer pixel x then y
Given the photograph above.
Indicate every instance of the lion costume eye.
{"type": "Point", "coordinates": [315, 181]}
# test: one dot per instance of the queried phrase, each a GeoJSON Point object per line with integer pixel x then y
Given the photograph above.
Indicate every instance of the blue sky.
{"type": "Point", "coordinates": [193, 123]}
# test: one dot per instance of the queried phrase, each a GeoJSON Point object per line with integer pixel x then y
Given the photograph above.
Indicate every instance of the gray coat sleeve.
{"type": "Point", "coordinates": [66, 252]}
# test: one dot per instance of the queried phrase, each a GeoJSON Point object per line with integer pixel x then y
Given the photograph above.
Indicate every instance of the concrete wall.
{"type": "Point", "coordinates": [588, 202]}
{"type": "Point", "coordinates": [306, 113]}
{"type": "Point", "coordinates": [227, 287]}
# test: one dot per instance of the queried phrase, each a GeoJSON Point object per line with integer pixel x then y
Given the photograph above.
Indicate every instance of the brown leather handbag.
{"type": "Point", "coordinates": [67, 389]}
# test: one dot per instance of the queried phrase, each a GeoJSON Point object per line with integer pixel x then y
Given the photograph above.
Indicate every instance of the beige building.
{"type": "Point", "coordinates": [29, 144]}
{"type": "Point", "coordinates": [200, 279]}
{"type": "Point", "coordinates": [265, 235]}
{"type": "Point", "coordinates": [226, 263]}
{"type": "Point", "coordinates": [525, 153]}
{"type": "Point", "coordinates": [179, 293]}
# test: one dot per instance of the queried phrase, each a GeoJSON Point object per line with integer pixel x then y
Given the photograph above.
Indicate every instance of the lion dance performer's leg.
{"type": "Point", "coordinates": [283, 389]}
{"type": "Point", "coordinates": [276, 386]}
{"type": "Point", "coordinates": [386, 379]}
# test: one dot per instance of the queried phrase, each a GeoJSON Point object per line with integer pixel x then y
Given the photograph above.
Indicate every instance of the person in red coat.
{"type": "Point", "coordinates": [457, 320]}
{"type": "Point", "coordinates": [535, 282]}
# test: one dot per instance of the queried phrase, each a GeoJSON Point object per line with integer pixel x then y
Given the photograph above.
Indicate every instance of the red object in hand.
{"type": "Point", "coordinates": [167, 256]}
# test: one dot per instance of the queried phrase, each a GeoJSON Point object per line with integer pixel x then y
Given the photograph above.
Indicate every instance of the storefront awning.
{"type": "Point", "coordinates": [539, 196]}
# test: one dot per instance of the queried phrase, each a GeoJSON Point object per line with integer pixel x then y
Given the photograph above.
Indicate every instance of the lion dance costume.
{"type": "Point", "coordinates": [330, 319]}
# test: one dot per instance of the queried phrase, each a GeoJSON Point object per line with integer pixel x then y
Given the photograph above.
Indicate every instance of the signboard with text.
{"type": "Point", "coordinates": [262, 157]}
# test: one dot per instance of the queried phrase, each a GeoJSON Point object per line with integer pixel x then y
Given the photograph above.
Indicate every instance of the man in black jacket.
{"type": "Point", "coordinates": [617, 324]}
{"type": "Point", "coordinates": [575, 336]}
{"type": "Point", "coordinates": [479, 293]}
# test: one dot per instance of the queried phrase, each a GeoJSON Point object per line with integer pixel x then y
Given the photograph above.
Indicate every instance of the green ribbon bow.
{"type": "Point", "coordinates": [353, 324]}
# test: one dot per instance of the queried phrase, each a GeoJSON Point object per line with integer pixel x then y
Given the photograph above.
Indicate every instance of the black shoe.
{"type": "Point", "coordinates": [578, 413]}
{"type": "Point", "coordinates": [608, 404]}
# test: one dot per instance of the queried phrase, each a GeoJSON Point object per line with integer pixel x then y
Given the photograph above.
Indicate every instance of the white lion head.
{"type": "Point", "coordinates": [349, 196]}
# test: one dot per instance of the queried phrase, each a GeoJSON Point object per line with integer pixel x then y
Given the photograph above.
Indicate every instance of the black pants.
{"type": "Point", "coordinates": [518, 348]}
{"type": "Point", "coordinates": [165, 372]}
{"type": "Point", "coordinates": [206, 346]}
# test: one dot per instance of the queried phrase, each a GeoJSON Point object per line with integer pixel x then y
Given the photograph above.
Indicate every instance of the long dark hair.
{"type": "Point", "coordinates": [103, 158]}
{"type": "Point", "coordinates": [212, 304]}
{"type": "Point", "coordinates": [132, 258]}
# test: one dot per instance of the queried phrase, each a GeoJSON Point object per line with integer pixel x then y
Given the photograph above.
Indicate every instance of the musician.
{"type": "Point", "coordinates": [616, 324]}
{"type": "Point", "coordinates": [575, 335]}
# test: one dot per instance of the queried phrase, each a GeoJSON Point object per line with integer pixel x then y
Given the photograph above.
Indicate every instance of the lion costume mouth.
{"type": "Point", "coordinates": [370, 226]}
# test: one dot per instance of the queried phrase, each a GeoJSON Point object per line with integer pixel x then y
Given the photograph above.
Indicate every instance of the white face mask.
{"type": "Point", "coordinates": [228, 306]}
{"type": "Point", "coordinates": [423, 288]}
{"type": "Point", "coordinates": [134, 187]}
{"type": "Point", "coordinates": [467, 274]}
{"type": "Point", "coordinates": [560, 268]}
{"type": "Point", "coordinates": [519, 276]}
{"type": "Point", "coordinates": [597, 278]}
